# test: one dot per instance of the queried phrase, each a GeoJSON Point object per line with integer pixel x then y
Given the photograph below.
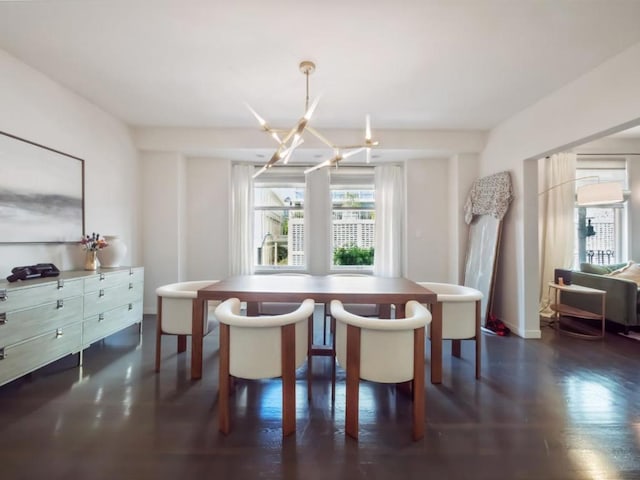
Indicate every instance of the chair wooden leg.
{"type": "Point", "coordinates": [456, 349]}
{"type": "Point", "coordinates": [309, 356]}
{"type": "Point", "coordinates": [224, 381]}
{"type": "Point", "coordinates": [478, 339]}
{"type": "Point", "coordinates": [182, 343]}
{"type": "Point", "coordinates": [324, 330]}
{"type": "Point", "coordinates": [288, 333]}
{"type": "Point", "coordinates": [418, 384]}
{"type": "Point", "coordinates": [353, 381]}
{"type": "Point", "coordinates": [332, 327]}
{"type": "Point", "coordinates": [158, 333]}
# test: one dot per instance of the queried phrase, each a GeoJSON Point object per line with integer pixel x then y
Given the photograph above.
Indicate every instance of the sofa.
{"type": "Point", "coordinates": [620, 281]}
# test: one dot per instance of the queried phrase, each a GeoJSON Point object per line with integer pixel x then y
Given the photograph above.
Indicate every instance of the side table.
{"type": "Point", "coordinates": [561, 310]}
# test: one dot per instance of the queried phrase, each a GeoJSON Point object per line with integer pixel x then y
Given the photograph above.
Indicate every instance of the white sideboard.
{"type": "Point", "coordinates": [43, 320]}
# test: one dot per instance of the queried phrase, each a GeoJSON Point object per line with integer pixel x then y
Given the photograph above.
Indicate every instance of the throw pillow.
{"type": "Point", "coordinates": [629, 272]}
{"type": "Point", "coordinates": [618, 266]}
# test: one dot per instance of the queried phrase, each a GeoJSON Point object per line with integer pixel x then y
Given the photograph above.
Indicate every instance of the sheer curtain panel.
{"type": "Point", "coordinates": [556, 206]}
{"type": "Point", "coordinates": [241, 228]}
{"type": "Point", "coordinates": [389, 184]}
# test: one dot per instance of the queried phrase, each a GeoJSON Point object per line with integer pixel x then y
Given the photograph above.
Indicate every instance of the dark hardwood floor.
{"type": "Point", "coordinates": [555, 408]}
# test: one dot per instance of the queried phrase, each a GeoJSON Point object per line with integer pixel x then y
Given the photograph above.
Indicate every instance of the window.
{"type": "Point", "coordinates": [601, 231]}
{"type": "Point", "coordinates": [279, 220]}
{"type": "Point", "coordinates": [341, 230]}
{"type": "Point", "coordinates": [352, 219]}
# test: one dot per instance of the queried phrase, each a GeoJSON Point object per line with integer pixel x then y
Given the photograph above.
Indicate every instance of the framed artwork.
{"type": "Point", "coordinates": [41, 193]}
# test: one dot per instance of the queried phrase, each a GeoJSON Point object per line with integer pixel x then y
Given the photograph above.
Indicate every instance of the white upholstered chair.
{"type": "Point", "coordinates": [385, 351]}
{"type": "Point", "coordinates": [175, 310]}
{"type": "Point", "coordinates": [460, 315]}
{"type": "Point", "coordinates": [262, 347]}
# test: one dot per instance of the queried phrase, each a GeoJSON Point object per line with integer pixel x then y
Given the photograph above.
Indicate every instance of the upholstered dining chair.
{"type": "Point", "coordinates": [174, 317]}
{"type": "Point", "coordinates": [262, 347]}
{"type": "Point", "coordinates": [385, 351]}
{"type": "Point", "coordinates": [460, 316]}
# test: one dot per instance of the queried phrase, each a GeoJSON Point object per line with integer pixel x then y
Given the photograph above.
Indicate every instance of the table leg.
{"type": "Point", "coordinates": [436, 342]}
{"type": "Point", "coordinates": [197, 334]}
{"type": "Point", "coordinates": [252, 309]}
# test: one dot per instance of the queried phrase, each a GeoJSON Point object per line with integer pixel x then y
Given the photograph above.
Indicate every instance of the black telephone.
{"type": "Point", "coordinates": [33, 271]}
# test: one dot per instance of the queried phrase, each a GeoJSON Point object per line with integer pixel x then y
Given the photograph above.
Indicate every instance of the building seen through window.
{"type": "Point", "coordinates": [279, 225]}
{"type": "Point", "coordinates": [353, 226]}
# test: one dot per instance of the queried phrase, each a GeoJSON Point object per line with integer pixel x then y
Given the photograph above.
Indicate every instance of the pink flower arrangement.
{"type": "Point", "coordinates": [93, 242]}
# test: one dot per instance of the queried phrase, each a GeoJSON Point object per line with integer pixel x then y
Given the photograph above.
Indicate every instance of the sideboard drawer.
{"type": "Point", "coordinates": [99, 326]}
{"type": "Point", "coordinates": [39, 351]}
{"type": "Point", "coordinates": [23, 324]}
{"type": "Point", "coordinates": [18, 296]}
{"type": "Point", "coordinates": [104, 299]}
{"type": "Point", "coordinates": [104, 280]}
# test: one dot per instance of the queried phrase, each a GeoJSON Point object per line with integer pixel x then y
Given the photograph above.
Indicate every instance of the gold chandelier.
{"type": "Point", "coordinates": [293, 138]}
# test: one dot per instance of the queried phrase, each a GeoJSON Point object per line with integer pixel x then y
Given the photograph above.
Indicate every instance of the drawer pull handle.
{"type": "Point", "coordinates": [3, 294]}
{"type": "Point", "coordinates": [60, 284]}
{"type": "Point", "coordinates": [101, 277]}
{"type": "Point", "coordinates": [60, 304]}
{"type": "Point", "coordinates": [3, 355]}
{"type": "Point", "coordinates": [131, 286]}
{"type": "Point", "coordinates": [130, 272]}
{"type": "Point", "coordinates": [58, 333]}
{"type": "Point", "coordinates": [131, 306]}
{"type": "Point", "coordinates": [3, 319]}
{"type": "Point", "coordinates": [101, 293]}
{"type": "Point", "coordinates": [101, 317]}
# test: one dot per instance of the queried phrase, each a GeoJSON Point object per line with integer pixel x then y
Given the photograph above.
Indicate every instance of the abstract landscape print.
{"type": "Point", "coordinates": [41, 193]}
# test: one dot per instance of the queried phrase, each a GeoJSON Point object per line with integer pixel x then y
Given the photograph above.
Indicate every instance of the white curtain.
{"type": "Point", "coordinates": [389, 184]}
{"type": "Point", "coordinates": [241, 231]}
{"type": "Point", "coordinates": [556, 219]}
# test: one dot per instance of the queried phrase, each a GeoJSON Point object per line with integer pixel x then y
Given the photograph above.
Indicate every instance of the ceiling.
{"type": "Point", "coordinates": [415, 64]}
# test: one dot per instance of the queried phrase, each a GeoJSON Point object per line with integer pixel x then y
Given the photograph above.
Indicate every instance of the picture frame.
{"type": "Point", "coordinates": [41, 193]}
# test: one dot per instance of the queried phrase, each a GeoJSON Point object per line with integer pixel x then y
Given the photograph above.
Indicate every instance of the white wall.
{"type": "Point", "coordinates": [38, 109]}
{"type": "Point", "coordinates": [162, 187]}
{"type": "Point", "coordinates": [604, 100]}
{"type": "Point", "coordinates": [427, 245]}
{"type": "Point", "coordinates": [208, 218]}
{"type": "Point", "coordinates": [186, 220]}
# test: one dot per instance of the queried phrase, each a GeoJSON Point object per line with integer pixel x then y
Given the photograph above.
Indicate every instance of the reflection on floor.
{"type": "Point", "coordinates": [555, 408]}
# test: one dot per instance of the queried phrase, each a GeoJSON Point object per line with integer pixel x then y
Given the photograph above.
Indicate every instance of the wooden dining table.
{"type": "Point", "coordinates": [254, 289]}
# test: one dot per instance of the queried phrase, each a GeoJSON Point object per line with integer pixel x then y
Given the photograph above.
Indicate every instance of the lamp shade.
{"type": "Point", "coordinates": [599, 194]}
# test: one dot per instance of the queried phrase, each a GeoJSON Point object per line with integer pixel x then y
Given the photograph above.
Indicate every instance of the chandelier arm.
{"type": "Point", "coordinates": [320, 137]}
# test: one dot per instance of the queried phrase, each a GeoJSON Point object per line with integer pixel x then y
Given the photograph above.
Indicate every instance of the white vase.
{"type": "Point", "coordinates": [111, 255]}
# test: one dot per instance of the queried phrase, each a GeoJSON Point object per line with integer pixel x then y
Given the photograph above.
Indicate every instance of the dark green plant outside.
{"type": "Point", "coordinates": [353, 255]}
